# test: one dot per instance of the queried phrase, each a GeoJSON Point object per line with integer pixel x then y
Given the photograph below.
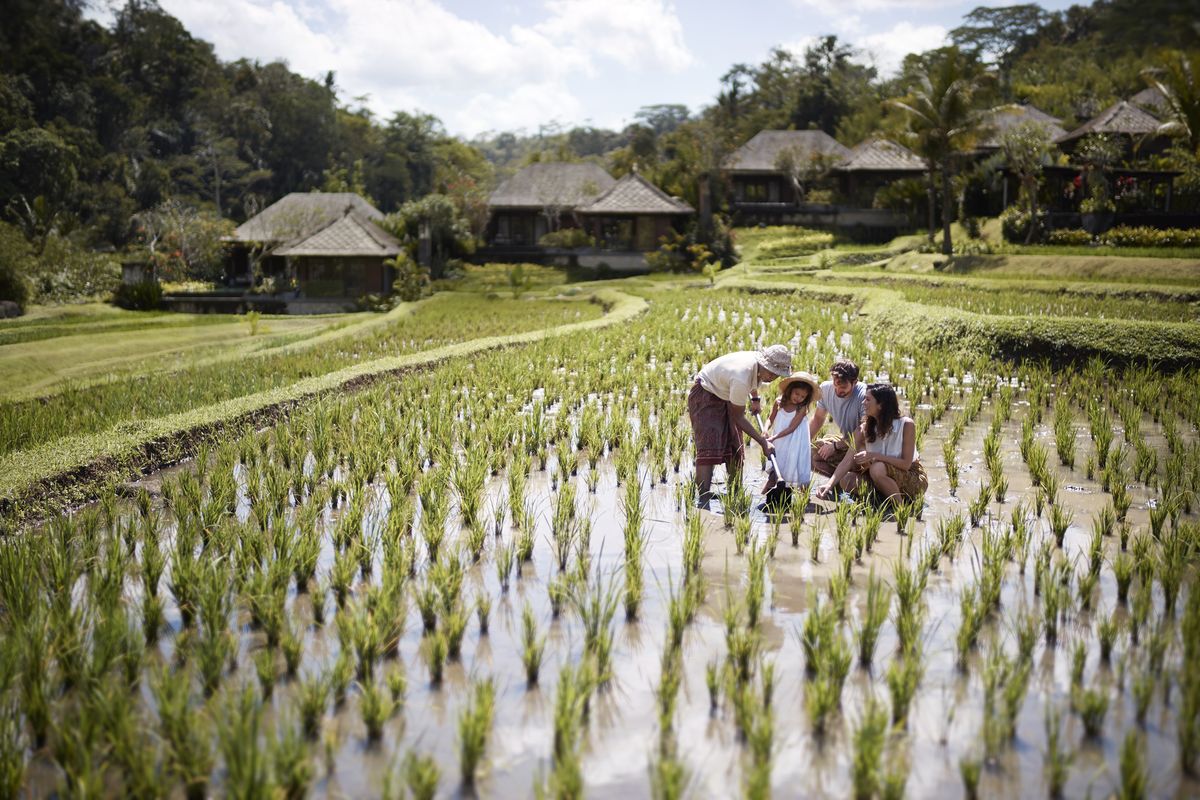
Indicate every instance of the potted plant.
{"type": "Point", "coordinates": [1097, 213]}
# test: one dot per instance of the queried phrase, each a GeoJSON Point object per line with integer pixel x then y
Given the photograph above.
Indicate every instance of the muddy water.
{"type": "Point", "coordinates": [945, 718]}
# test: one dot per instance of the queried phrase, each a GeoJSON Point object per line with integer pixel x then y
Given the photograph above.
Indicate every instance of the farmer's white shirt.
{"type": "Point", "coordinates": [732, 377]}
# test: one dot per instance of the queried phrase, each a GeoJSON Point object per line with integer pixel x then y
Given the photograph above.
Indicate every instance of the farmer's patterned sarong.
{"type": "Point", "coordinates": [718, 439]}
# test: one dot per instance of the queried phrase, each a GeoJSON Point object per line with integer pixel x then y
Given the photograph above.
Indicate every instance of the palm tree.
{"type": "Point", "coordinates": [943, 121]}
{"type": "Point", "coordinates": [1179, 83]}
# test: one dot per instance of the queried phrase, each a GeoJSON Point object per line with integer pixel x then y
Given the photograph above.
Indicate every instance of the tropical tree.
{"type": "Point", "coordinates": [1179, 82]}
{"type": "Point", "coordinates": [943, 121]}
{"type": "Point", "coordinates": [1026, 150]}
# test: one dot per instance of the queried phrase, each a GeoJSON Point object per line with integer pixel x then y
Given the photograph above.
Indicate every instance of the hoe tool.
{"type": "Point", "coordinates": [779, 499]}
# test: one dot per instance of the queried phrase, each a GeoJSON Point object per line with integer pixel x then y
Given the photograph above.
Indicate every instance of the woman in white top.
{"type": "Point", "coordinates": [885, 450]}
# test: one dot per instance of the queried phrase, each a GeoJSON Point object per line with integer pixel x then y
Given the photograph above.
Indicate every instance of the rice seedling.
{"type": "Point", "coordinates": [454, 626]}
{"type": "Point", "coordinates": [421, 775]}
{"type": "Point", "coordinates": [895, 780]}
{"type": "Point", "coordinates": [693, 544]}
{"type": "Point", "coordinates": [596, 605]}
{"type": "Point", "coordinates": [376, 706]}
{"type": "Point", "coordinates": [879, 602]}
{"type": "Point", "coordinates": [1060, 519]}
{"type": "Point", "coordinates": [1142, 689]}
{"type": "Point", "coordinates": [712, 681]}
{"type": "Point", "coordinates": [291, 765]}
{"type": "Point", "coordinates": [668, 777]}
{"type": "Point", "coordinates": [950, 457]}
{"type": "Point", "coordinates": [483, 610]}
{"type": "Point", "coordinates": [1139, 612]}
{"type": "Point", "coordinates": [814, 543]}
{"type": "Point", "coordinates": [869, 531]}
{"type": "Point", "coordinates": [1064, 432]}
{"type": "Point", "coordinates": [972, 616]}
{"type": "Point", "coordinates": [903, 676]}
{"type": "Point", "coordinates": [1057, 761]}
{"type": "Point", "coordinates": [1135, 780]}
{"type": "Point", "coordinates": [436, 650]}
{"type": "Point", "coordinates": [869, 739]}
{"type": "Point", "coordinates": [978, 506]}
{"type": "Point", "coordinates": [741, 533]}
{"type": "Point", "coordinates": [533, 646]}
{"type": "Point", "coordinates": [524, 543]}
{"type": "Point", "coordinates": [267, 670]}
{"type": "Point", "coordinates": [247, 771]}
{"type": "Point", "coordinates": [474, 728]}
{"type": "Point", "coordinates": [949, 535]}
{"type": "Point", "coordinates": [1123, 571]}
{"type": "Point", "coordinates": [504, 565]}
{"type": "Point", "coordinates": [1086, 589]}
{"type": "Point", "coordinates": [1092, 707]}
{"type": "Point", "coordinates": [756, 570]}
{"type": "Point", "coordinates": [1078, 661]}
{"type": "Point", "coordinates": [1107, 631]}
{"type": "Point", "coordinates": [969, 769]}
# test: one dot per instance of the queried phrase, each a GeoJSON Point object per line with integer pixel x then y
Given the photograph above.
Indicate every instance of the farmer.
{"type": "Point", "coordinates": [717, 409]}
{"type": "Point", "coordinates": [842, 397]}
{"type": "Point", "coordinates": [885, 451]}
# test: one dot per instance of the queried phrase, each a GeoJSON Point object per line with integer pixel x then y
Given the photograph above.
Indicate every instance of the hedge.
{"type": "Point", "coordinates": [1129, 236]}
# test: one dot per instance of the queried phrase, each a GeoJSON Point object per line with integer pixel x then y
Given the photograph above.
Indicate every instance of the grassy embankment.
{"type": "Point", "coordinates": [1127, 310]}
{"type": "Point", "coordinates": [71, 467]}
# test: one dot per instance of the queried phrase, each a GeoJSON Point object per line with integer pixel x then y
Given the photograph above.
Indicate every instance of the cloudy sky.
{"type": "Point", "coordinates": [492, 65]}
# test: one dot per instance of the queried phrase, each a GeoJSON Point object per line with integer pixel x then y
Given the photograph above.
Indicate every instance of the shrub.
{"type": "Point", "coordinates": [907, 196]}
{"type": "Point", "coordinates": [1069, 236]}
{"type": "Point", "coordinates": [1128, 236]}
{"type": "Point", "coordinates": [143, 296]}
{"type": "Point", "coordinates": [1014, 225]}
{"type": "Point", "coordinates": [66, 271]}
{"type": "Point", "coordinates": [16, 261]}
{"type": "Point", "coordinates": [567, 238]}
{"type": "Point", "coordinates": [412, 280]}
{"type": "Point", "coordinates": [377, 303]}
{"type": "Point", "coordinates": [184, 241]}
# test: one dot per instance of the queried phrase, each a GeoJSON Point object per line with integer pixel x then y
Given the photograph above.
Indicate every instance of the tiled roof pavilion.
{"type": "Point", "coordinates": [633, 194]}
{"type": "Point", "coordinates": [352, 235]}
{"type": "Point", "coordinates": [762, 152]}
{"type": "Point", "coordinates": [1120, 118]}
{"type": "Point", "coordinates": [300, 213]}
{"type": "Point", "coordinates": [552, 183]}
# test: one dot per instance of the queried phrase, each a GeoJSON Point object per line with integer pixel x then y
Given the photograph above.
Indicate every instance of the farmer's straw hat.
{"type": "Point", "coordinates": [777, 359]}
{"type": "Point", "coordinates": [806, 378]}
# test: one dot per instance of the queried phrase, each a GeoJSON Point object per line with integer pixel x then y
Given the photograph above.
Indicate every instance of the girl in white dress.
{"type": "Point", "coordinates": [789, 426]}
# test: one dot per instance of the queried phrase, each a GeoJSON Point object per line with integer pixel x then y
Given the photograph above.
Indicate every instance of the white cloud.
{"type": "Point", "coordinates": [406, 54]}
{"type": "Point", "coordinates": [858, 6]}
{"type": "Point", "coordinates": [634, 33]}
{"type": "Point", "coordinates": [887, 50]}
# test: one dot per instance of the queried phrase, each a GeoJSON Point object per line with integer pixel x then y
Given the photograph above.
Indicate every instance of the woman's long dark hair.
{"type": "Point", "coordinates": [889, 410]}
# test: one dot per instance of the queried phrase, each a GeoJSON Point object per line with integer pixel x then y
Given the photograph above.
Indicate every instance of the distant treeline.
{"type": "Point", "coordinates": [100, 124]}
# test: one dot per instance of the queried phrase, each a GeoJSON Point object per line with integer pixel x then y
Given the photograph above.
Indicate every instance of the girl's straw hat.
{"type": "Point", "coordinates": [801, 377]}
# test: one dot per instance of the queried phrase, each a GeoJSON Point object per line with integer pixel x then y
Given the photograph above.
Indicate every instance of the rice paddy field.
{"type": "Point", "coordinates": [487, 577]}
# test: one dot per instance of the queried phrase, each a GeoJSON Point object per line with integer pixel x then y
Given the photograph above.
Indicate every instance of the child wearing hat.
{"type": "Point", "coordinates": [788, 421]}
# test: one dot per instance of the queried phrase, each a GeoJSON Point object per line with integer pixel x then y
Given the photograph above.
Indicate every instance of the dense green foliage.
{"type": "Point", "coordinates": [102, 129]}
{"type": "Point", "coordinates": [101, 124]}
